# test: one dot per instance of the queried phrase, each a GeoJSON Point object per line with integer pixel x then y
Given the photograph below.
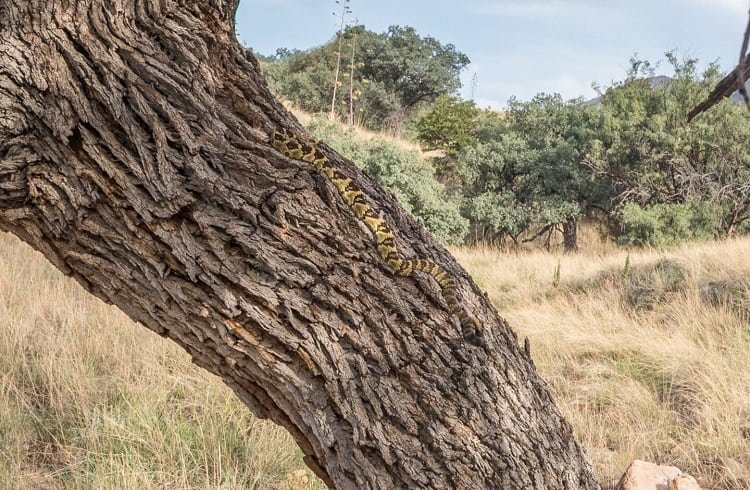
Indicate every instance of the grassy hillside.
{"type": "Point", "coordinates": [88, 399]}
{"type": "Point", "coordinates": [647, 355]}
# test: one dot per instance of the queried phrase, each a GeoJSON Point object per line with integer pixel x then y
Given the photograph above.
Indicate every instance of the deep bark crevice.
{"type": "Point", "coordinates": [134, 154]}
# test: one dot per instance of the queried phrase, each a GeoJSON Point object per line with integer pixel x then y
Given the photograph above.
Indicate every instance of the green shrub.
{"type": "Point", "coordinates": [705, 222]}
{"type": "Point", "coordinates": [406, 174]}
{"type": "Point", "coordinates": [668, 224]}
{"type": "Point", "coordinates": [641, 226]}
{"type": "Point", "coordinates": [490, 126]}
{"type": "Point", "coordinates": [412, 180]}
{"type": "Point", "coordinates": [495, 215]}
{"type": "Point", "coordinates": [448, 124]}
{"type": "Point", "coordinates": [342, 139]}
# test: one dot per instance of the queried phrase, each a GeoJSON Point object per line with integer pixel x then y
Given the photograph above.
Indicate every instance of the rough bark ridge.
{"type": "Point", "coordinates": [134, 154]}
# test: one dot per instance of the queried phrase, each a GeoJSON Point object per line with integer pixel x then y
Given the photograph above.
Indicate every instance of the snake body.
{"type": "Point", "coordinates": [299, 148]}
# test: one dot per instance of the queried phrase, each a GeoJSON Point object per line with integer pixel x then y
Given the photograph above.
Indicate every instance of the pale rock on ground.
{"type": "Point", "coordinates": [685, 482]}
{"type": "Point", "coordinates": [642, 475]}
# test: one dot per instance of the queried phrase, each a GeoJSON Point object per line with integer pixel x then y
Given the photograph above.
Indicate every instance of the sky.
{"type": "Point", "coordinates": [520, 48]}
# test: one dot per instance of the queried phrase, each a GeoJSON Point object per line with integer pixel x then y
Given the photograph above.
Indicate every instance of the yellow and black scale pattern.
{"type": "Point", "coordinates": [298, 148]}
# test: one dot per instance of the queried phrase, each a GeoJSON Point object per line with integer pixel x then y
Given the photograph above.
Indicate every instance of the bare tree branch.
{"type": "Point", "coordinates": [742, 65]}
{"type": "Point", "coordinates": [731, 83]}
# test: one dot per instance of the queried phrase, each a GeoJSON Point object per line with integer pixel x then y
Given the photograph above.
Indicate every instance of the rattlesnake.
{"type": "Point", "coordinates": [299, 148]}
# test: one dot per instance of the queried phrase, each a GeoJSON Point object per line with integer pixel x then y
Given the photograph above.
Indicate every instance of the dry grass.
{"type": "Point", "coordinates": [360, 133]}
{"type": "Point", "coordinates": [88, 399]}
{"type": "Point", "coordinates": [648, 360]}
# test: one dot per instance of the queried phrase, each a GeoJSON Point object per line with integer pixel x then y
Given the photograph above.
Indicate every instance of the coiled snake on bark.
{"type": "Point", "coordinates": [299, 148]}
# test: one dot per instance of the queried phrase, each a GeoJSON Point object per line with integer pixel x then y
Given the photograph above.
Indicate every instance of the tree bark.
{"type": "Point", "coordinates": [134, 155]}
{"type": "Point", "coordinates": [570, 235]}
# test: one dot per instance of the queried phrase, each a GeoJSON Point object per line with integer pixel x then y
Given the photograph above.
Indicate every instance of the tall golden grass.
{"type": "Point", "coordinates": [359, 132]}
{"type": "Point", "coordinates": [647, 354]}
{"type": "Point", "coordinates": [89, 399]}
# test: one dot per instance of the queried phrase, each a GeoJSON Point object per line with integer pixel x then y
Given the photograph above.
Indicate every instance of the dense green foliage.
{"type": "Point", "coordinates": [525, 171]}
{"type": "Point", "coordinates": [668, 224]}
{"type": "Point", "coordinates": [448, 124]}
{"type": "Point", "coordinates": [628, 160]}
{"type": "Point", "coordinates": [632, 161]}
{"type": "Point", "coordinates": [676, 172]}
{"type": "Point", "coordinates": [393, 73]}
{"type": "Point", "coordinates": [405, 173]}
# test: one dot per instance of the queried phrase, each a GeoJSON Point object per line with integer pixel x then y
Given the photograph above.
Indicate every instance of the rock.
{"type": "Point", "coordinates": [642, 475]}
{"type": "Point", "coordinates": [684, 482]}
{"type": "Point", "coordinates": [297, 480]}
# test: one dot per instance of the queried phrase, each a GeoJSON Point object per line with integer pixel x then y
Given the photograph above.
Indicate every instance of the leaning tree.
{"type": "Point", "coordinates": [135, 155]}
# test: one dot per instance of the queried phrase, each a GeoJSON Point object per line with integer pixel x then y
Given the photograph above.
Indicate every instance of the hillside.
{"type": "Point", "coordinates": [646, 354]}
{"type": "Point", "coordinates": [644, 351]}
{"type": "Point", "coordinates": [146, 154]}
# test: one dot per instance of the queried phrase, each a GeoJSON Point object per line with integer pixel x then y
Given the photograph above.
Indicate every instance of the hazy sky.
{"type": "Point", "coordinates": [521, 47]}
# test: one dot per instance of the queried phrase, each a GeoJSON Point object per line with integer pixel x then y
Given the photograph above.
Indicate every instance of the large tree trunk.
{"type": "Point", "coordinates": [134, 154]}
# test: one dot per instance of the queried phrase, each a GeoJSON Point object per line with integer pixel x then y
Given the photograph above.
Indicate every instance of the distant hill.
{"type": "Point", "coordinates": [662, 80]}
